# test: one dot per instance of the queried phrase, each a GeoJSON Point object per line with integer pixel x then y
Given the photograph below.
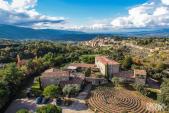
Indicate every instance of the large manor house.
{"type": "Point", "coordinates": [106, 67]}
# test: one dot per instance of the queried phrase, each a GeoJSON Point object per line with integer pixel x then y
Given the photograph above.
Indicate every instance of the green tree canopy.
{"type": "Point", "coordinates": [4, 93]}
{"type": "Point", "coordinates": [87, 72]}
{"type": "Point", "coordinates": [52, 91]}
{"type": "Point", "coordinates": [23, 111]}
{"type": "Point", "coordinates": [160, 66]}
{"type": "Point", "coordinates": [88, 59]}
{"type": "Point", "coordinates": [49, 109]}
{"type": "Point", "coordinates": [71, 89]}
{"type": "Point", "coordinates": [127, 62]}
{"type": "Point", "coordinates": [12, 74]}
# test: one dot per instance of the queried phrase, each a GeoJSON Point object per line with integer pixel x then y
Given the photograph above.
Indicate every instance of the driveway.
{"type": "Point", "coordinates": [21, 103]}
{"type": "Point", "coordinates": [78, 106]}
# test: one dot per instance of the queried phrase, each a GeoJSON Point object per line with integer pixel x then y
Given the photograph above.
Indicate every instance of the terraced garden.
{"type": "Point", "coordinates": [117, 100]}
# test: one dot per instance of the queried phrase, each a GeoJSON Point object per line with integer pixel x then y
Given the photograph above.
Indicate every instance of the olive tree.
{"type": "Point", "coordinates": [71, 89]}
{"type": "Point", "coordinates": [52, 91]}
{"type": "Point", "coordinates": [49, 109]}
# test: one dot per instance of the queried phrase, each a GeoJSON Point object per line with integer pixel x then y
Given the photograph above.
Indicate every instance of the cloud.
{"type": "Point", "coordinates": [24, 4]}
{"type": "Point", "coordinates": [147, 15]}
{"type": "Point", "coordinates": [153, 14]}
{"type": "Point", "coordinates": [165, 2]}
{"type": "Point", "coordinates": [23, 13]}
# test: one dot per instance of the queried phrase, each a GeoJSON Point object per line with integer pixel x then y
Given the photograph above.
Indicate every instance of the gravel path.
{"type": "Point", "coordinates": [79, 106]}
{"type": "Point", "coordinates": [21, 103]}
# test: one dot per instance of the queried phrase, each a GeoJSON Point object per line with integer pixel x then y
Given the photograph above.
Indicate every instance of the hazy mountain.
{"type": "Point", "coordinates": [147, 33]}
{"type": "Point", "coordinates": [19, 33]}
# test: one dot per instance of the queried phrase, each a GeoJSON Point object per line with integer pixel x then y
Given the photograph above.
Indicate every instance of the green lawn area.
{"type": "Point", "coordinates": [36, 87]}
{"type": "Point", "coordinates": [89, 55]}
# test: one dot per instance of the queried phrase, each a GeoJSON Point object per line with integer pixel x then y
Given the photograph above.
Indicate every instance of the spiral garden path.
{"type": "Point", "coordinates": [112, 100]}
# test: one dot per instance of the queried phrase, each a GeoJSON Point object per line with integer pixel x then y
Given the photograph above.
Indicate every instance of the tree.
{"type": "Point", "coordinates": [71, 89]}
{"type": "Point", "coordinates": [4, 93]}
{"type": "Point", "coordinates": [23, 111]}
{"type": "Point", "coordinates": [87, 72]}
{"type": "Point", "coordinates": [160, 66]}
{"type": "Point", "coordinates": [12, 74]}
{"type": "Point", "coordinates": [141, 88]}
{"type": "Point", "coordinates": [115, 81]}
{"type": "Point", "coordinates": [157, 76]}
{"type": "Point", "coordinates": [88, 59]}
{"type": "Point", "coordinates": [49, 109]}
{"type": "Point", "coordinates": [164, 95]}
{"type": "Point", "coordinates": [49, 58]}
{"type": "Point", "coordinates": [127, 62]}
{"type": "Point", "coordinates": [13, 77]}
{"type": "Point", "coordinates": [52, 91]}
{"type": "Point", "coordinates": [58, 60]}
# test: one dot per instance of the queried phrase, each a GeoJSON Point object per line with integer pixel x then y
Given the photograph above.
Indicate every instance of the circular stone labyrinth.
{"type": "Point", "coordinates": [110, 100]}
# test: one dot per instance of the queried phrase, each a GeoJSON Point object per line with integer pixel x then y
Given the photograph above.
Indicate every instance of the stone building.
{"type": "Point", "coordinates": [59, 77]}
{"type": "Point", "coordinates": [107, 67]}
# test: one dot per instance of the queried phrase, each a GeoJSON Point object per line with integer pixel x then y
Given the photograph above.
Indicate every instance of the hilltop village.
{"type": "Point", "coordinates": [102, 75]}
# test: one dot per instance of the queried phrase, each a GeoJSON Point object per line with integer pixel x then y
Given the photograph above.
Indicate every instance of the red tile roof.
{"type": "Point", "coordinates": [55, 73]}
{"type": "Point", "coordinates": [105, 60]}
{"type": "Point", "coordinates": [124, 74]}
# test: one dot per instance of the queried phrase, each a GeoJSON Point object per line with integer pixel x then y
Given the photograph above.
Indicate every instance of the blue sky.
{"type": "Point", "coordinates": [86, 15]}
{"type": "Point", "coordinates": [81, 11]}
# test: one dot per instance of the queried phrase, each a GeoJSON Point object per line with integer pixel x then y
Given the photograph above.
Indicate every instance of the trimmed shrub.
{"type": "Point", "coordinates": [23, 111]}
{"type": "Point", "coordinates": [49, 109]}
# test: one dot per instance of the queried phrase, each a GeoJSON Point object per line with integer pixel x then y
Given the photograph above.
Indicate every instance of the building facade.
{"type": "Point", "coordinates": [107, 67]}
{"type": "Point", "coordinates": [54, 76]}
{"type": "Point", "coordinates": [59, 77]}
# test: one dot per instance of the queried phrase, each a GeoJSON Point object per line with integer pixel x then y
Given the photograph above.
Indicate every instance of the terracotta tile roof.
{"type": "Point", "coordinates": [105, 60]}
{"type": "Point", "coordinates": [124, 74]}
{"type": "Point", "coordinates": [140, 72]}
{"type": "Point", "coordinates": [55, 73]}
{"type": "Point", "coordinates": [83, 65]}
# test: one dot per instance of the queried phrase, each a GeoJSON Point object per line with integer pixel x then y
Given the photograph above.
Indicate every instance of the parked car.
{"type": "Point", "coordinates": [45, 100]}
{"type": "Point", "coordinates": [58, 101]}
{"type": "Point", "coordinates": [39, 100]}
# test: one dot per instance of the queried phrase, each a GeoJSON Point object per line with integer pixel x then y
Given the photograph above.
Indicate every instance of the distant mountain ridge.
{"type": "Point", "coordinates": [21, 33]}
{"type": "Point", "coordinates": [18, 33]}
{"type": "Point", "coordinates": [152, 33]}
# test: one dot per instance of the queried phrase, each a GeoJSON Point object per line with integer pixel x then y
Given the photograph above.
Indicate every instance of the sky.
{"type": "Point", "coordinates": [86, 15]}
